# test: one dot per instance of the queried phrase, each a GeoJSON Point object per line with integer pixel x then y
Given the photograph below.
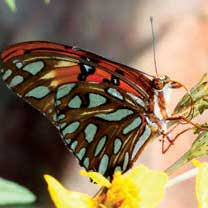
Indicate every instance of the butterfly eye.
{"type": "Point", "coordinates": [157, 84]}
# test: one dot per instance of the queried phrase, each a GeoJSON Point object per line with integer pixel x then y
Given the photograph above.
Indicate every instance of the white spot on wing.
{"type": "Point", "coordinates": [34, 68]}
{"type": "Point", "coordinates": [86, 162]}
{"type": "Point", "coordinates": [150, 123]}
{"type": "Point", "coordinates": [61, 116]}
{"type": "Point", "coordinates": [16, 80]}
{"type": "Point", "coordinates": [133, 125]}
{"type": "Point", "coordinates": [116, 115]}
{"type": "Point", "coordinates": [100, 145]}
{"type": "Point", "coordinates": [126, 161]}
{"type": "Point", "coordinates": [81, 153]}
{"type": "Point", "coordinates": [103, 164]}
{"type": "Point", "coordinates": [117, 168]}
{"type": "Point", "coordinates": [115, 93]}
{"type": "Point", "coordinates": [75, 102]}
{"type": "Point", "coordinates": [72, 127]}
{"type": "Point", "coordinates": [19, 65]}
{"type": "Point", "coordinates": [141, 140]}
{"type": "Point", "coordinates": [64, 90]}
{"type": "Point", "coordinates": [137, 99]}
{"type": "Point", "coordinates": [90, 132]}
{"type": "Point", "coordinates": [7, 74]}
{"type": "Point", "coordinates": [117, 145]}
{"type": "Point", "coordinates": [87, 68]}
{"type": "Point", "coordinates": [96, 100]}
{"type": "Point", "coordinates": [74, 145]}
{"type": "Point", "coordinates": [68, 141]}
{"type": "Point", "coordinates": [38, 92]}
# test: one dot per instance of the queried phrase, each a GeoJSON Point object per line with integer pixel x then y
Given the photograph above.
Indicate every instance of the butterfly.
{"type": "Point", "coordinates": [105, 112]}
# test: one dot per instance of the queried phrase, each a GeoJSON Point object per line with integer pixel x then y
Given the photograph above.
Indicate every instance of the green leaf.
{"type": "Point", "coordinates": [11, 4]}
{"type": "Point", "coordinates": [199, 95]}
{"type": "Point", "coordinates": [199, 148]}
{"type": "Point", "coordinates": [199, 101]}
{"type": "Point", "coordinates": [47, 1]}
{"type": "Point", "coordinates": [12, 193]}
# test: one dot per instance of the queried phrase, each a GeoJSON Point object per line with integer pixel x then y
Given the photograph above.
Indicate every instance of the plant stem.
{"type": "Point", "coordinates": [185, 176]}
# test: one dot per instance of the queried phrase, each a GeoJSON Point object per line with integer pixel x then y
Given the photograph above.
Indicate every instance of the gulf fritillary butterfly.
{"type": "Point", "coordinates": [106, 112]}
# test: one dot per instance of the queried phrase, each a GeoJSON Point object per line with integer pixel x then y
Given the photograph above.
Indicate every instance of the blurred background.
{"type": "Point", "coordinates": [119, 30]}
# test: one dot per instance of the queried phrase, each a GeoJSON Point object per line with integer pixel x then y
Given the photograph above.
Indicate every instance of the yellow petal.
{"type": "Point", "coordinates": [196, 163]}
{"type": "Point", "coordinates": [140, 188]}
{"type": "Point", "coordinates": [202, 185]}
{"type": "Point", "coordinates": [64, 198]}
{"type": "Point", "coordinates": [97, 178]}
{"type": "Point", "coordinates": [150, 183]}
{"type": "Point", "coordinates": [123, 193]}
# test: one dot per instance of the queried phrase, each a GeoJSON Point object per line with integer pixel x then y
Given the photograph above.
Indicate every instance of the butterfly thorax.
{"type": "Point", "coordinates": [159, 100]}
{"type": "Point", "coordinates": [160, 97]}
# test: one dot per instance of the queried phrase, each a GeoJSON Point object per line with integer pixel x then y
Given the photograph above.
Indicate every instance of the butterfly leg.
{"type": "Point", "coordinates": [171, 141]}
{"type": "Point", "coordinates": [166, 137]}
{"type": "Point", "coordinates": [161, 127]}
{"type": "Point", "coordinates": [182, 118]}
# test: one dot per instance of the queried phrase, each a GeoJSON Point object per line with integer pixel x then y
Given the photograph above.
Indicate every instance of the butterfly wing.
{"type": "Point", "coordinates": [102, 125]}
{"type": "Point", "coordinates": [80, 93]}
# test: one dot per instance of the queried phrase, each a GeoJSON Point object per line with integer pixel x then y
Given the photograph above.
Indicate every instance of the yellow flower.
{"type": "Point", "coordinates": [123, 192]}
{"type": "Point", "coordinates": [64, 198]}
{"type": "Point", "coordinates": [151, 184]}
{"type": "Point", "coordinates": [140, 187]}
{"type": "Point", "coordinates": [202, 184]}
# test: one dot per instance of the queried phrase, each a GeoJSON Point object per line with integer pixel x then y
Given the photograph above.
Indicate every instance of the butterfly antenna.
{"type": "Point", "coordinates": [153, 44]}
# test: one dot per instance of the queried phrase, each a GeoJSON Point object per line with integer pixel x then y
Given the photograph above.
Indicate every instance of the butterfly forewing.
{"type": "Point", "coordinates": [98, 105]}
{"type": "Point", "coordinates": [35, 77]}
{"type": "Point", "coordinates": [98, 68]}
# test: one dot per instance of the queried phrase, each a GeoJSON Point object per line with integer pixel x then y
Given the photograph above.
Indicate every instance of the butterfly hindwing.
{"type": "Point", "coordinates": [100, 124]}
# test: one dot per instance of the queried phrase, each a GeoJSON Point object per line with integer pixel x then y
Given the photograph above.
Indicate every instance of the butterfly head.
{"type": "Point", "coordinates": [162, 81]}
{"type": "Point", "coordinates": [161, 86]}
